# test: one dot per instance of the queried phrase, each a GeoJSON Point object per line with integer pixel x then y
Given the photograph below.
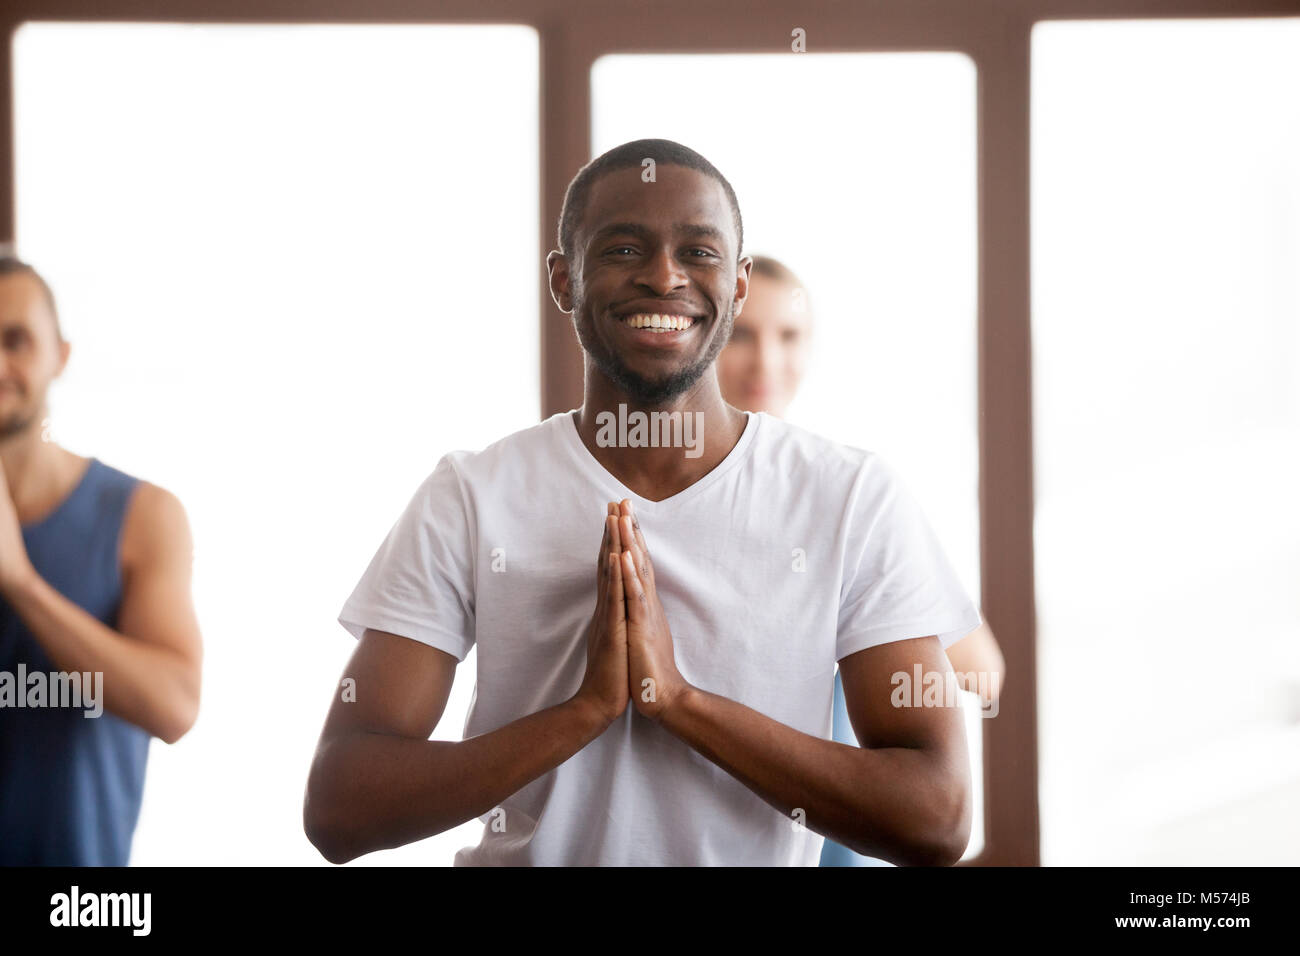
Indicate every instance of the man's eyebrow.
{"type": "Point", "coordinates": [620, 229]}
{"type": "Point", "coordinates": [695, 230]}
{"type": "Point", "coordinates": [703, 232]}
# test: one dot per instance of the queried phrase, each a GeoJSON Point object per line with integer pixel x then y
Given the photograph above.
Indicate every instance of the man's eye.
{"type": "Point", "coordinates": [707, 252]}
{"type": "Point", "coordinates": [621, 248]}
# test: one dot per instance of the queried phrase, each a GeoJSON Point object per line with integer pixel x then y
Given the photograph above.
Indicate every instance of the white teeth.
{"type": "Point", "coordinates": [659, 323]}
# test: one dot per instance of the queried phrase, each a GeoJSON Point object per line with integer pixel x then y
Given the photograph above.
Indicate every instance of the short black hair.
{"type": "Point", "coordinates": [664, 152]}
{"type": "Point", "coordinates": [12, 265]}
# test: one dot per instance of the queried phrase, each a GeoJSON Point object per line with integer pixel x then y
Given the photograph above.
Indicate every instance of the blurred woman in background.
{"type": "Point", "coordinates": [760, 370]}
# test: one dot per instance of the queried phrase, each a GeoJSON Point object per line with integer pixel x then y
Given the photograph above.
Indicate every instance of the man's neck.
{"type": "Point", "coordinates": [36, 471]}
{"type": "Point", "coordinates": [709, 428]}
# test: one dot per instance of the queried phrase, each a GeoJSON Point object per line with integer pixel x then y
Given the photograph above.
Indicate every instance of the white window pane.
{"type": "Point", "coordinates": [858, 171]}
{"type": "Point", "coordinates": [1166, 331]}
{"type": "Point", "coordinates": [297, 265]}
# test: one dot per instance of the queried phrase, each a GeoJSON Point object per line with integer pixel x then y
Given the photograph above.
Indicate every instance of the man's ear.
{"type": "Point", "coordinates": [557, 269]}
{"type": "Point", "coordinates": [65, 349]}
{"type": "Point", "coordinates": [743, 269]}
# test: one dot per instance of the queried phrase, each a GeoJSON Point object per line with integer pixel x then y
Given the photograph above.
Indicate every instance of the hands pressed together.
{"type": "Point", "coordinates": [629, 644]}
{"type": "Point", "coordinates": [15, 564]}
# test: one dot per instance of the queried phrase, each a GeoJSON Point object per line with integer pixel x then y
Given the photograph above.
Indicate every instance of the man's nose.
{"type": "Point", "coordinates": [661, 272]}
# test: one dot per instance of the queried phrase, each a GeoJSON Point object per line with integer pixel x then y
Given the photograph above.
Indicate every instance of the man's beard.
{"type": "Point", "coordinates": [15, 424]}
{"type": "Point", "coordinates": [641, 390]}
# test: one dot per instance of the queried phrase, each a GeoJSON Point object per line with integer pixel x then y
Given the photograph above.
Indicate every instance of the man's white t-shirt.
{"type": "Point", "coordinates": [792, 553]}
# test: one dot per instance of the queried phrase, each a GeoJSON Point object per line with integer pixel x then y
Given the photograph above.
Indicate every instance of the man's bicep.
{"type": "Point", "coordinates": [881, 697]}
{"type": "Point", "coordinates": [391, 685]}
{"type": "Point", "coordinates": [157, 557]}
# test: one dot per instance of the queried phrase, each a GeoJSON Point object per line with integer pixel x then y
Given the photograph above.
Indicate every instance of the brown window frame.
{"type": "Point", "coordinates": [994, 33]}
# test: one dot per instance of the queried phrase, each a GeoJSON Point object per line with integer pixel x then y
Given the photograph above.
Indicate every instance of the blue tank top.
{"type": "Point", "coordinates": [70, 785]}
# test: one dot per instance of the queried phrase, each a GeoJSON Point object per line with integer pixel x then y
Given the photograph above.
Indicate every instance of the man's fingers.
{"type": "Point", "coordinates": [632, 532]}
{"type": "Point", "coordinates": [632, 588]}
{"type": "Point", "coordinates": [615, 537]}
{"type": "Point", "coordinates": [616, 605]}
{"type": "Point", "coordinates": [629, 535]}
{"type": "Point", "coordinates": [602, 591]}
{"type": "Point", "coordinates": [625, 508]}
{"type": "Point", "coordinates": [602, 565]}
{"type": "Point", "coordinates": [611, 546]}
{"type": "Point", "coordinates": [607, 546]}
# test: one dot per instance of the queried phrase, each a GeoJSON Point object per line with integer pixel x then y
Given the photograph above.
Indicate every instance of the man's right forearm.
{"type": "Point", "coordinates": [369, 791]}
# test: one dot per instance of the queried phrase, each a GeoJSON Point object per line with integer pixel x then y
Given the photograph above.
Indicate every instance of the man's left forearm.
{"type": "Point", "coordinates": [905, 805]}
{"type": "Point", "coordinates": [150, 686]}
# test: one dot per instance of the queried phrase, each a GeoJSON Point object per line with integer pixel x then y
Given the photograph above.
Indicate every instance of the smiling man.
{"type": "Point", "coordinates": [95, 577]}
{"type": "Point", "coordinates": [670, 702]}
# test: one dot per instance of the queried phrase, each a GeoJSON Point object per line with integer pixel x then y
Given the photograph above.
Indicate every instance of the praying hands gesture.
{"type": "Point", "coordinates": [629, 643]}
{"type": "Point", "coordinates": [905, 799]}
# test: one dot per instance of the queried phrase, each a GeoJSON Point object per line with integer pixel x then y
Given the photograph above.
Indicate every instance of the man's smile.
{"type": "Point", "coordinates": [659, 325]}
{"type": "Point", "coordinates": [658, 322]}
{"type": "Point", "coordinates": [658, 330]}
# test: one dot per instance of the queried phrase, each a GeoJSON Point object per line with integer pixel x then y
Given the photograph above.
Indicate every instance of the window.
{"type": "Point", "coordinates": [1166, 349]}
{"type": "Point", "coordinates": [287, 283]}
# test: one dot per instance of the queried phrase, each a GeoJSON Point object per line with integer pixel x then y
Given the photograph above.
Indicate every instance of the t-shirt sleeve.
{"type": "Point", "coordinates": [419, 584]}
{"type": "Point", "coordinates": [898, 582]}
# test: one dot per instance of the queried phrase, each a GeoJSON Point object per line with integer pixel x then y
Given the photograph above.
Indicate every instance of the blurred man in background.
{"type": "Point", "coordinates": [760, 370]}
{"type": "Point", "coordinates": [99, 644]}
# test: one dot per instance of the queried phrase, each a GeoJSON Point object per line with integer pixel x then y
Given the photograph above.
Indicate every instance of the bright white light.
{"type": "Point", "coordinates": [1166, 334]}
{"type": "Point", "coordinates": [297, 265]}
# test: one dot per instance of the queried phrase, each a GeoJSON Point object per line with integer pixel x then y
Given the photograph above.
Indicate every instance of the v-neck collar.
{"type": "Point", "coordinates": [586, 461]}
